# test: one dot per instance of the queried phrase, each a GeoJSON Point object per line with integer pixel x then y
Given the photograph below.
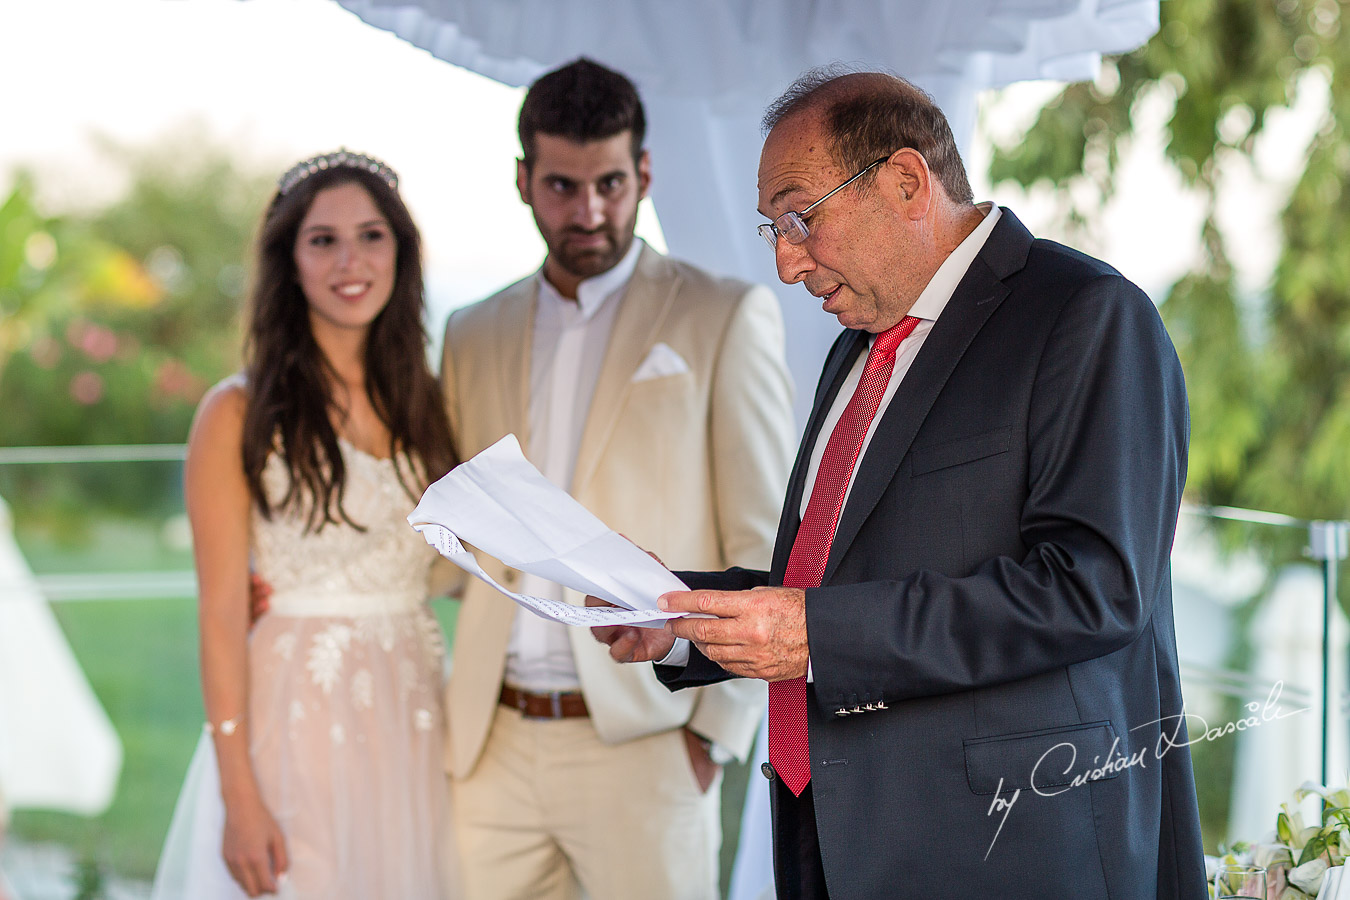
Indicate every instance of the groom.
{"type": "Point", "coordinates": [657, 394]}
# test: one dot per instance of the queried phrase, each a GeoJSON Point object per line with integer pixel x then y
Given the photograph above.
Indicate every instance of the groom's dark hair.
{"type": "Point", "coordinates": [583, 101]}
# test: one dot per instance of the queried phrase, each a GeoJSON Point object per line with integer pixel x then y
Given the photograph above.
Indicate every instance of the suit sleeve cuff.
{"type": "Point", "coordinates": [678, 655]}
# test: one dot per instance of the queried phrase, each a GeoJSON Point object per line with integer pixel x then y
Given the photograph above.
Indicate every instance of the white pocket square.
{"type": "Point", "coordinates": [661, 361]}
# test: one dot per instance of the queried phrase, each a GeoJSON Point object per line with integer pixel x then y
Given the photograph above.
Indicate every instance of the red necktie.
{"type": "Point", "coordinates": [788, 751]}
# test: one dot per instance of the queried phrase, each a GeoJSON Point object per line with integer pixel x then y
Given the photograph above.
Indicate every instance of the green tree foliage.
{"type": "Point", "coordinates": [113, 322]}
{"type": "Point", "coordinates": [1269, 377]}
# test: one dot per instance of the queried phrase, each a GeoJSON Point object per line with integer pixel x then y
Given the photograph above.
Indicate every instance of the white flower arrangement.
{"type": "Point", "coordinates": [1298, 857]}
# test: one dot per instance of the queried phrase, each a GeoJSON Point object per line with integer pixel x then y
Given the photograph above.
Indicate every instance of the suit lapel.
{"type": "Point", "coordinates": [513, 345]}
{"type": "Point", "coordinates": [979, 293]}
{"type": "Point", "coordinates": [642, 311]}
{"type": "Point", "coordinates": [840, 360]}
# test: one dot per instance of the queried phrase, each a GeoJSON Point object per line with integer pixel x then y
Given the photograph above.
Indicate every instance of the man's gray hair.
{"type": "Point", "coordinates": [868, 116]}
{"type": "Point", "coordinates": [801, 93]}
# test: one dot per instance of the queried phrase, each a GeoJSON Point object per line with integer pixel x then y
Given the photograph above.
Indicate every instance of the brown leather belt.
{"type": "Point", "coordinates": [555, 705]}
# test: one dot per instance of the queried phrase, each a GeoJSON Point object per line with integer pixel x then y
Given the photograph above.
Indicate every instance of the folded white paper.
{"type": "Point", "coordinates": [501, 504]}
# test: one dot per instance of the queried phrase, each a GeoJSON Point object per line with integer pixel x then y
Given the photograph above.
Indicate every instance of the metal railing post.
{"type": "Point", "coordinates": [1327, 543]}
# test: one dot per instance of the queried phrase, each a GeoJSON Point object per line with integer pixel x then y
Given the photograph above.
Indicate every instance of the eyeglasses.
{"type": "Point", "coordinates": [792, 224]}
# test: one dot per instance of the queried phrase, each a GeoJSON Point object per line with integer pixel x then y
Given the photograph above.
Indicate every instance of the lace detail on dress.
{"type": "Point", "coordinates": [338, 562]}
{"type": "Point", "coordinates": [325, 655]}
{"type": "Point", "coordinates": [348, 612]}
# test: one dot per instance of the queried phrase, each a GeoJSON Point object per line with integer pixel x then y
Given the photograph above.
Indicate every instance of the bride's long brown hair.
{"type": "Point", "coordinates": [289, 380]}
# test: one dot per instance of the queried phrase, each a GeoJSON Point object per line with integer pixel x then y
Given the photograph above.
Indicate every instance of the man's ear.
{"type": "Point", "coordinates": [523, 181]}
{"type": "Point", "coordinates": [644, 174]}
{"type": "Point", "coordinates": [912, 180]}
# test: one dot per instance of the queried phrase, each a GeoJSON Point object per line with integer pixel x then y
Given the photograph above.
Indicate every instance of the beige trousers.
{"type": "Point", "coordinates": [550, 812]}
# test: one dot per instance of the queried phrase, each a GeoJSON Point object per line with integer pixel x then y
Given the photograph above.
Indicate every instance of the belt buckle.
{"type": "Point", "coordinates": [554, 698]}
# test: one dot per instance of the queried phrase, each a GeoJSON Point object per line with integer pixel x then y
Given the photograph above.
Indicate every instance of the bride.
{"type": "Point", "coordinates": [325, 721]}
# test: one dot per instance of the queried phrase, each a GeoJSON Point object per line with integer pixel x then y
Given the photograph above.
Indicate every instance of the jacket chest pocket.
{"type": "Point", "coordinates": [933, 457]}
{"type": "Point", "coordinates": [661, 405]}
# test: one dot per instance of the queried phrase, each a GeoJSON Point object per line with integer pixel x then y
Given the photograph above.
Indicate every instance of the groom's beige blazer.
{"type": "Point", "coordinates": [685, 450]}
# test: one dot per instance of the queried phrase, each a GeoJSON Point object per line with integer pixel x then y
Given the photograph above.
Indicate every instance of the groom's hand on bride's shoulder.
{"type": "Point", "coordinates": [259, 597]}
{"type": "Point", "coordinates": [630, 644]}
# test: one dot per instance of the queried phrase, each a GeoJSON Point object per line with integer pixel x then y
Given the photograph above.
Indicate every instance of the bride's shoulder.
{"type": "Point", "coordinates": [231, 392]}
{"type": "Point", "coordinates": [222, 408]}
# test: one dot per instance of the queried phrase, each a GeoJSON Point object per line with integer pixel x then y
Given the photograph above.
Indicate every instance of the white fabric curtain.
{"type": "Point", "coordinates": [741, 51]}
{"type": "Point", "coordinates": [58, 749]}
{"type": "Point", "coordinates": [707, 68]}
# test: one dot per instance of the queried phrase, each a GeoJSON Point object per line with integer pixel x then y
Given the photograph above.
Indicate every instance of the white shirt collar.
{"type": "Point", "coordinates": [594, 291]}
{"type": "Point", "coordinates": [939, 291]}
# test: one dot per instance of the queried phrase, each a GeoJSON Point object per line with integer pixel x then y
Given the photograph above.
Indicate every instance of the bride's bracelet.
{"type": "Point", "coordinates": [225, 727]}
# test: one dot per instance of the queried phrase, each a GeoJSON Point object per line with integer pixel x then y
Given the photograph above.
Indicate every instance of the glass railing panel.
{"type": "Point", "coordinates": [1249, 607]}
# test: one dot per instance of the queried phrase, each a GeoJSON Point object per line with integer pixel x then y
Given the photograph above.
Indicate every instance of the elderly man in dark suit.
{"type": "Point", "coordinates": [967, 627]}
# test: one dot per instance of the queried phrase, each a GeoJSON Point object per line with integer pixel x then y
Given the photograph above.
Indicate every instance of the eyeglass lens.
{"type": "Point", "coordinates": [789, 225]}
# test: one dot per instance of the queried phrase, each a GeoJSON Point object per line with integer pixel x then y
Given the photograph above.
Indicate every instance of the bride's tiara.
{"type": "Point", "coordinates": [342, 157]}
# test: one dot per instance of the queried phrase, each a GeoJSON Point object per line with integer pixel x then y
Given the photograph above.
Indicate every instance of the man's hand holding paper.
{"type": "Point", "coordinates": [760, 633]}
{"type": "Point", "coordinates": [628, 643]}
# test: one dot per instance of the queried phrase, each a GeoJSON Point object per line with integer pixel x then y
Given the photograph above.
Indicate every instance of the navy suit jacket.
{"type": "Point", "coordinates": [995, 618]}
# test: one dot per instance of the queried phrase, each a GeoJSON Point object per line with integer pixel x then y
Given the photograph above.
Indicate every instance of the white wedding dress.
{"type": "Point", "coordinates": [345, 711]}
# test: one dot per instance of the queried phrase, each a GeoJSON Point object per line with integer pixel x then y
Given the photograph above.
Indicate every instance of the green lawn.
{"type": "Point", "coordinates": [141, 658]}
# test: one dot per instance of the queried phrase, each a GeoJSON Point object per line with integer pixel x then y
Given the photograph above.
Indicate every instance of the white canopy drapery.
{"type": "Point", "coordinates": [707, 68]}
{"type": "Point", "coordinates": [58, 749]}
